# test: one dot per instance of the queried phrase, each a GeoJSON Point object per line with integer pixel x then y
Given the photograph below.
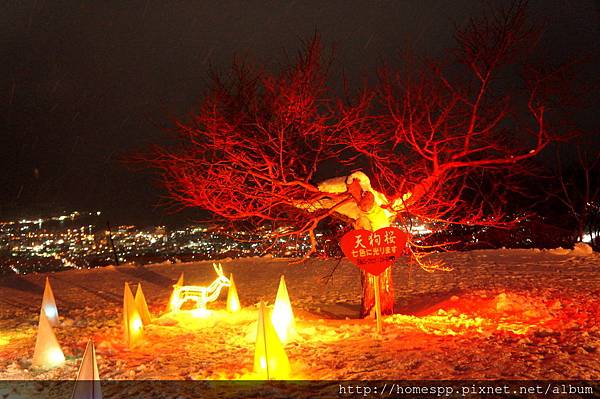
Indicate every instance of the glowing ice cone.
{"type": "Point", "coordinates": [47, 353]}
{"type": "Point", "coordinates": [132, 322]}
{"type": "Point", "coordinates": [270, 360]}
{"type": "Point", "coordinates": [283, 316]}
{"type": "Point", "coordinates": [142, 306]}
{"type": "Point", "coordinates": [172, 299]}
{"type": "Point", "coordinates": [233, 302]}
{"type": "Point", "coordinates": [87, 385]}
{"type": "Point", "coordinates": [49, 305]}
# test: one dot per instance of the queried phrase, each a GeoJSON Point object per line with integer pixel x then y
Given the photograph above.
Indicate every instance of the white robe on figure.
{"type": "Point", "coordinates": [374, 219]}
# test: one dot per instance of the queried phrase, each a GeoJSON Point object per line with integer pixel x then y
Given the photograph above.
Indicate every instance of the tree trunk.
{"type": "Point", "coordinates": [581, 225]}
{"type": "Point", "coordinates": [386, 291]}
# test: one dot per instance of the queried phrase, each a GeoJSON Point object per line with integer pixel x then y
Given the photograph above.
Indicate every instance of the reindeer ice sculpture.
{"type": "Point", "coordinates": [201, 295]}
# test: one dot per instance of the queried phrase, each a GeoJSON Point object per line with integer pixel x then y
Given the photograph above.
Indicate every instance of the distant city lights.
{"type": "Point", "coordinates": [80, 240]}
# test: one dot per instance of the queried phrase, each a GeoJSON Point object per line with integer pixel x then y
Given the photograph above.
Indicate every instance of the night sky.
{"type": "Point", "coordinates": [85, 83]}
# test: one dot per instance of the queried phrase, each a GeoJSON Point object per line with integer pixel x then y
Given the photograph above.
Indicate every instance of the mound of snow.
{"type": "Point", "coordinates": [580, 249]}
{"type": "Point", "coordinates": [560, 251]}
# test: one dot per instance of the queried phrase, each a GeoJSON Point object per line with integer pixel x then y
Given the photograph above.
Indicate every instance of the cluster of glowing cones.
{"type": "Point", "coordinates": [135, 315]}
{"type": "Point", "coordinates": [270, 359]}
{"type": "Point", "coordinates": [48, 353]}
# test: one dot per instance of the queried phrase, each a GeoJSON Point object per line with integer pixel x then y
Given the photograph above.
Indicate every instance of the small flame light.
{"type": "Point", "coordinates": [136, 324]}
{"type": "Point", "coordinates": [55, 357]}
{"type": "Point", "coordinates": [51, 312]}
{"type": "Point", "coordinates": [47, 352]}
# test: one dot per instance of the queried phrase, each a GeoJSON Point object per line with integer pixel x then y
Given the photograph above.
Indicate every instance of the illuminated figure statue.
{"type": "Point", "coordinates": [201, 295]}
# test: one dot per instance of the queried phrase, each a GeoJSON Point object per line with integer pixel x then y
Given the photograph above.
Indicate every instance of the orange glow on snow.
{"type": "Point", "coordinates": [504, 312]}
{"type": "Point", "coordinates": [201, 312]}
{"type": "Point", "coordinates": [439, 324]}
{"type": "Point", "coordinates": [448, 324]}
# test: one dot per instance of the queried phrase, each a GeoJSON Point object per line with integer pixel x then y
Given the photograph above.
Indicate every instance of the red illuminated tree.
{"type": "Point", "coordinates": [439, 141]}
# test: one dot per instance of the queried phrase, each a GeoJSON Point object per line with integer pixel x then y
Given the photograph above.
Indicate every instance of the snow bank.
{"type": "Point", "coordinates": [498, 314]}
{"type": "Point", "coordinates": [560, 251]}
{"type": "Point", "coordinates": [580, 249]}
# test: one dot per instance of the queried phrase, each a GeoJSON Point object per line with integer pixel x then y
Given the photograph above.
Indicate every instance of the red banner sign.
{"type": "Point", "coordinates": [375, 251]}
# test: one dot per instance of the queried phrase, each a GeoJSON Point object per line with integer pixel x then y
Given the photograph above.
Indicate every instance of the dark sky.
{"type": "Point", "coordinates": [83, 83]}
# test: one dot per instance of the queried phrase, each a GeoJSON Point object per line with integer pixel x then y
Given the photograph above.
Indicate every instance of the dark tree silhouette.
{"type": "Point", "coordinates": [577, 186]}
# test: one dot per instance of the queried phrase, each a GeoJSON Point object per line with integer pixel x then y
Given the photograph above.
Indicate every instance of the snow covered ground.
{"type": "Point", "coordinates": [510, 314]}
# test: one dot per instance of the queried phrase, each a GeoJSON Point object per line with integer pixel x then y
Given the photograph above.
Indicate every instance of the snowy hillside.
{"type": "Point", "coordinates": [513, 314]}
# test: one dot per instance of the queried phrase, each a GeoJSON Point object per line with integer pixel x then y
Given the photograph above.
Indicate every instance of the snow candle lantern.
{"type": "Point", "coordinates": [49, 305]}
{"type": "Point", "coordinates": [283, 316]}
{"type": "Point", "coordinates": [200, 295]}
{"type": "Point", "coordinates": [233, 301]}
{"type": "Point", "coordinates": [132, 321]}
{"type": "Point", "coordinates": [142, 306]}
{"type": "Point", "coordinates": [270, 359]}
{"type": "Point", "coordinates": [47, 353]}
{"type": "Point", "coordinates": [87, 385]}
{"type": "Point", "coordinates": [179, 283]}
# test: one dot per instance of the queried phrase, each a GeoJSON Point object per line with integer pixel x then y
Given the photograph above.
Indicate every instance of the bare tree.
{"type": "Point", "coordinates": [433, 140]}
{"type": "Point", "coordinates": [577, 185]}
